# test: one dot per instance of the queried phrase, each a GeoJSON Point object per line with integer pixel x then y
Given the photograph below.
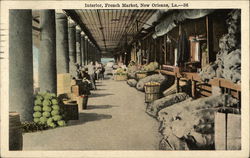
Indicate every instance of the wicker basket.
{"type": "Point", "coordinates": [120, 77]}
{"type": "Point", "coordinates": [152, 92]}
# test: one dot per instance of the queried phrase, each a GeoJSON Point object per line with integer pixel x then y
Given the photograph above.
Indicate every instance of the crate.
{"type": "Point", "coordinates": [63, 83]}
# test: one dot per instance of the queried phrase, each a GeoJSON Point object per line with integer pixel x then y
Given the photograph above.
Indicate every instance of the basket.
{"type": "Point", "coordinates": [152, 92]}
{"type": "Point", "coordinates": [120, 77]}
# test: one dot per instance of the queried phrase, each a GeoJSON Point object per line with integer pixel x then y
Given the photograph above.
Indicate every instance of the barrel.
{"type": "Point", "coordinates": [82, 102]}
{"type": "Point", "coordinates": [152, 92]}
{"type": "Point", "coordinates": [15, 132]}
{"type": "Point", "coordinates": [71, 110]}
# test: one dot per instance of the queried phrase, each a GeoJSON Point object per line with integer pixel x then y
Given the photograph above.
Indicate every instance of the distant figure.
{"type": "Point", "coordinates": [102, 72]}
{"type": "Point", "coordinates": [98, 70]}
{"type": "Point", "coordinates": [85, 74]}
{"type": "Point", "coordinates": [78, 70]}
{"type": "Point", "coordinates": [91, 72]}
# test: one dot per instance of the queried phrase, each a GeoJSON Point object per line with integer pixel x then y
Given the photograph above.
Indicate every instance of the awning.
{"type": "Point", "coordinates": [172, 19]}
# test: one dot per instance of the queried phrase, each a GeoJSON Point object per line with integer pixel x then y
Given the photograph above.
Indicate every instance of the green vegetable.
{"type": "Point", "coordinates": [53, 95]}
{"type": "Point", "coordinates": [38, 102]}
{"type": "Point", "coordinates": [54, 101]}
{"type": "Point", "coordinates": [47, 96]}
{"type": "Point", "coordinates": [43, 120]}
{"type": "Point", "coordinates": [61, 123]}
{"type": "Point", "coordinates": [49, 120]}
{"type": "Point", "coordinates": [36, 120]}
{"type": "Point", "coordinates": [56, 107]}
{"type": "Point", "coordinates": [39, 97]}
{"type": "Point", "coordinates": [47, 108]}
{"type": "Point", "coordinates": [57, 118]}
{"type": "Point", "coordinates": [52, 124]}
{"type": "Point", "coordinates": [37, 114]}
{"type": "Point", "coordinates": [46, 102]}
{"type": "Point", "coordinates": [54, 112]}
{"type": "Point", "coordinates": [37, 108]}
{"type": "Point", "coordinates": [46, 114]}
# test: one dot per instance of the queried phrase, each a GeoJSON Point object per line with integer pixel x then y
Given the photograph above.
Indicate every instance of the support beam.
{"type": "Point", "coordinates": [82, 48]}
{"type": "Point", "coordinates": [177, 84]}
{"type": "Point", "coordinates": [194, 89]}
{"type": "Point", "coordinates": [21, 63]}
{"type": "Point", "coordinates": [78, 46]}
{"type": "Point", "coordinates": [72, 47]}
{"type": "Point", "coordinates": [62, 47]}
{"type": "Point", "coordinates": [86, 50]}
{"type": "Point", "coordinates": [47, 56]}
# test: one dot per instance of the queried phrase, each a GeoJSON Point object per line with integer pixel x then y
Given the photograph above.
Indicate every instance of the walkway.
{"type": "Point", "coordinates": [115, 120]}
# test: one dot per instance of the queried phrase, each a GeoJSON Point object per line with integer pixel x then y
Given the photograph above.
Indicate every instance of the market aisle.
{"type": "Point", "coordinates": [115, 119]}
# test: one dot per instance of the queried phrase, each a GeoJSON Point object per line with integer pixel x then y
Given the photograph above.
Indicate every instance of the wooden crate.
{"type": "Point", "coordinates": [63, 83]}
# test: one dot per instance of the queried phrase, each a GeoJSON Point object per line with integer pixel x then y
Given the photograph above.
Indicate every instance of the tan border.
{"type": "Point", "coordinates": [244, 5]}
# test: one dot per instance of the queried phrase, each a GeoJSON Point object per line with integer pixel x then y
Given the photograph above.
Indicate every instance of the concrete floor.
{"type": "Point", "coordinates": [115, 120]}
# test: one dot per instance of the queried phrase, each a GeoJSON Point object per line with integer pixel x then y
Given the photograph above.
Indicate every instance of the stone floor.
{"type": "Point", "coordinates": [115, 120]}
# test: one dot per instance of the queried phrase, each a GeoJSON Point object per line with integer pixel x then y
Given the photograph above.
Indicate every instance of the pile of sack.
{"type": "Point", "coordinates": [228, 59]}
{"type": "Point", "coordinates": [189, 124]}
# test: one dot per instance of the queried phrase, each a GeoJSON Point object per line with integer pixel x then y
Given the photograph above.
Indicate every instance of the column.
{"type": "Point", "coordinates": [88, 57]}
{"type": "Point", "coordinates": [47, 56]}
{"type": "Point", "coordinates": [78, 45]}
{"type": "Point", "coordinates": [62, 46]}
{"type": "Point", "coordinates": [21, 63]}
{"type": "Point", "coordinates": [82, 48]}
{"type": "Point", "coordinates": [86, 50]}
{"type": "Point", "coordinates": [72, 46]}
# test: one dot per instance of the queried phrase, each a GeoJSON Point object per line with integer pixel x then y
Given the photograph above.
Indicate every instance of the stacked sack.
{"type": "Point", "coordinates": [47, 110]}
{"type": "Point", "coordinates": [152, 66]}
{"type": "Point", "coordinates": [228, 59]}
{"type": "Point", "coordinates": [190, 124]}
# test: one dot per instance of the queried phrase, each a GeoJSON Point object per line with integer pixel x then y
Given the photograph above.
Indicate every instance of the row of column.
{"type": "Point", "coordinates": [62, 46]}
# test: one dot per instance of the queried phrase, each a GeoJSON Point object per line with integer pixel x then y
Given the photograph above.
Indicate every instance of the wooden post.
{"type": "Point", "coordinates": [165, 49]}
{"type": "Point", "coordinates": [193, 89]}
{"type": "Point", "coordinates": [177, 84]}
{"type": "Point", "coordinates": [209, 29]}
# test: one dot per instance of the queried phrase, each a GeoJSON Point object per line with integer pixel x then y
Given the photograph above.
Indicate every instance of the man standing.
{"type": "Point", "coordinates": [91, 72]}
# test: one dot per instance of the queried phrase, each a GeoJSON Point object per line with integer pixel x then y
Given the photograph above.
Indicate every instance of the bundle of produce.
{"type": "Point", "coordinates": [154, 107]}
{"type": "Point", "coordinates": [152, 66]}
{"type": "Point", "coordinates": [156, 78]}
{"type": "Point", "coordinates": [33, 127]}
{"type": "Point", "coordinates": [47, 111]}
{"type": "Point", "coordinates": [152, 83]}
{"type": "Point", "coordinates": [165, 82]}
{"type": "Point", "coordinates": [193, 121]}
{"type": "Point", "coordinates": [132, 82]}
{"type": "Point", "coordinates": [228, 59]}
{"type": "Point", "coordinates": [121, 71]}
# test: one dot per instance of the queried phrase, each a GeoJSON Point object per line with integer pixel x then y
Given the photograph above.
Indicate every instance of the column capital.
{"type": "Point", "coordinates": [78, 28]}
{"type": "Point", "coordinates": [72, 23]}
{"type": "Point", "coordinates": [61, 16]}
{"type": "Point", "coordinates": [82, 34]}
